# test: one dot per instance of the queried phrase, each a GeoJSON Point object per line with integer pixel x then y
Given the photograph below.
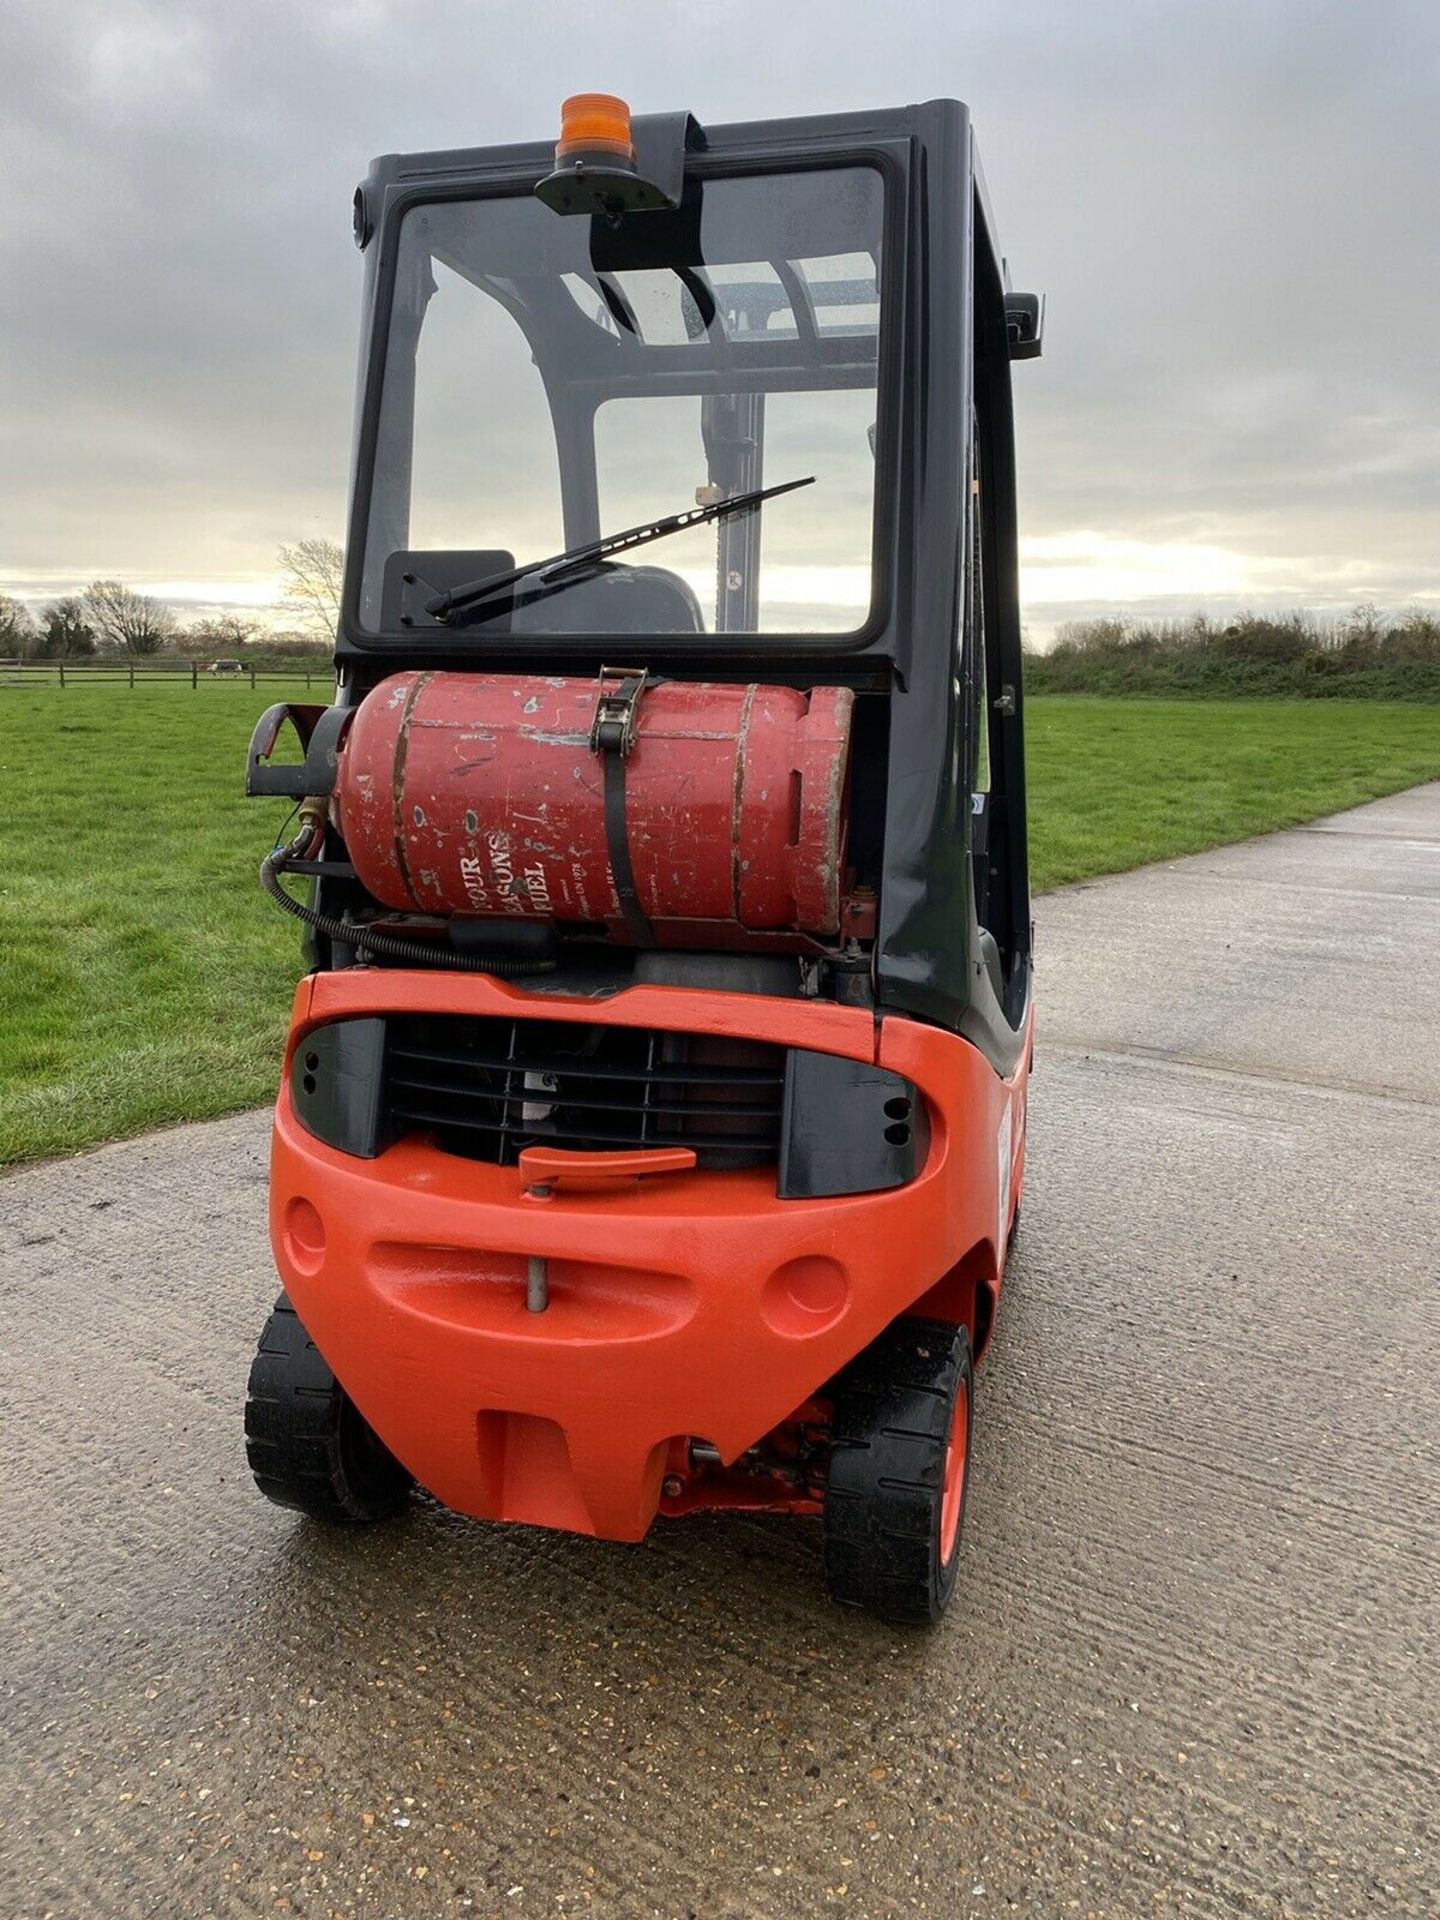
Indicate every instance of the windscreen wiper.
{"type": "Point", "coordinates": [556, 570]}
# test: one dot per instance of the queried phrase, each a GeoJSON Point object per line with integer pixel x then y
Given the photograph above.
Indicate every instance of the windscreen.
{"type": "Point", "coordinates": [552, 379]}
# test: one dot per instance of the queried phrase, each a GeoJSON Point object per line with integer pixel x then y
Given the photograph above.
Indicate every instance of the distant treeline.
{"type": "Point", "coordinates": [112, 621]}
{"type": "Point", "coordinates": [1366, 655]}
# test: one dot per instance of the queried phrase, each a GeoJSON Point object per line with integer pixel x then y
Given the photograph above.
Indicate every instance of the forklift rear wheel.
{"type": "Point", "coordinates": [308, 1446]}
{"type": "Point", "coordinates": [899, 1472]}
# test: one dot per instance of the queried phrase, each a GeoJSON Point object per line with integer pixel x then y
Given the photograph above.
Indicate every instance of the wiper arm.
{"type": "Point", "coordinates": [559, 566]}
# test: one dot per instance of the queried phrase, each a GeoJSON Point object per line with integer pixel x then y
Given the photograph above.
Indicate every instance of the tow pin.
{"type": "Point", "coordinates": [537, 1267]}
{"type": "Point", "coordinates": [537, 1284]}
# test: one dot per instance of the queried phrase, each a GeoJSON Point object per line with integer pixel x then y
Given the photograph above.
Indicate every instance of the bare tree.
{"type": "Point", "coordinates": [225, 633]}
{"type": "Point", "coordinates": [130, 621]}
{"type": "Point", "coordinates": [17, 627]}
{"type": "Point", "coordinates": [312, 583]}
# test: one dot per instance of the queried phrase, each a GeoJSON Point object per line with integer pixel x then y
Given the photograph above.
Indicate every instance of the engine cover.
{"type": "Point", "coordinates": [480, 794]}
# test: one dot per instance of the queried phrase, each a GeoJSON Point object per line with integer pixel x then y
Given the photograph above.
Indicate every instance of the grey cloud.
{"type": "Point", "coordinates": [1231, 209]}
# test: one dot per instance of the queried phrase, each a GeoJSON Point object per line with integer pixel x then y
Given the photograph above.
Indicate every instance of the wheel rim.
{"type": "Point", "coordinates": [952, 1493]}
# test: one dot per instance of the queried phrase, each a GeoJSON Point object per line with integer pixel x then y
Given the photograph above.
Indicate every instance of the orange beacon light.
{"type": "Point", "coordinates": [594, 123]}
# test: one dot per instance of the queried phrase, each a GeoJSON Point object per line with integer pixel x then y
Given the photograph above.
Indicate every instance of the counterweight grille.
{"type": "Point", "coordinates": [485, 1088]}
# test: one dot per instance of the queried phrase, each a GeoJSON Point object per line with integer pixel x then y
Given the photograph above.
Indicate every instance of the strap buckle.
{"type": "Point", "coordinates": [613, 728]}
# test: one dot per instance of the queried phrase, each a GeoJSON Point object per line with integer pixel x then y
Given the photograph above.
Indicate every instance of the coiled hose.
{"type": "Point", "coordinates": [391, 946]}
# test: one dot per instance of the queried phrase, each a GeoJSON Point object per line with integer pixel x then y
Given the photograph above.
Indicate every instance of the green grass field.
{"type": "Point", "coordinates": [145, 979]}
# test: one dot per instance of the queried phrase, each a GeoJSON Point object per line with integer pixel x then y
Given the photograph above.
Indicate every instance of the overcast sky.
{"type": "Point", "coordinates": [1230, 204]}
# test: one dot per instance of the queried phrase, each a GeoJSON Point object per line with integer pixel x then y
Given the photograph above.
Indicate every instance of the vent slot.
{"type": "Point", "coordinates": [485, 1088]}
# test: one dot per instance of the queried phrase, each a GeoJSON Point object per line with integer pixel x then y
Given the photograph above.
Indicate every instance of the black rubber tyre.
{"type": "Point", "coordinates": [897, 1408]}
{"type": "Point", "coordinates": [308, 1446]}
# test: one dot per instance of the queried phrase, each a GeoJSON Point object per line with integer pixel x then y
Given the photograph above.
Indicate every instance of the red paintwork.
{"type": "Point", "coordinates": [688, 1303]}
{"type": "Point", "coordinates": [480, 794]}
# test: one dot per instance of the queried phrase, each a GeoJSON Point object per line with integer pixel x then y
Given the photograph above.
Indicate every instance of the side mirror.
{"type": "Point", "coordinates": [1024, 324]}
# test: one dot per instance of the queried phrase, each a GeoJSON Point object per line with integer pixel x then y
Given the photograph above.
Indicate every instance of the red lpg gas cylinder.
{"type": "Point", "coordinates": [469, 793]}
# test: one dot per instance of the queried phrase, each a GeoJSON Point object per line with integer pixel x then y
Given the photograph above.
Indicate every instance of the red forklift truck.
{"type": "Point", "coordinates": [652, 1119]}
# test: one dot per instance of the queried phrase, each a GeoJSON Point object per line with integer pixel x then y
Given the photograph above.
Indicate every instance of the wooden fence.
{"type": "Point", "coordinates": [142, 673]}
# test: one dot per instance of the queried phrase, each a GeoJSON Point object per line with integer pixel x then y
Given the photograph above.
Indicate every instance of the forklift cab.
{"type": "Point", "coordinates": [730, 405]}
{"type": "Point", "coordinates": [796, 307]}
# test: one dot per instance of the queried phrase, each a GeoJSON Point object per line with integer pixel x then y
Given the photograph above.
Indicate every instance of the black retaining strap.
{"type": "Point", "coordinates": [612, 735]}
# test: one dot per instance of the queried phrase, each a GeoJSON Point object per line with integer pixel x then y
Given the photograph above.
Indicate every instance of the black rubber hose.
{"type": "Point", "coordinates": [392, 946]}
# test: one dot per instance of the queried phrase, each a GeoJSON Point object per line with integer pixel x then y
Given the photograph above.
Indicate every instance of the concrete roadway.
{"type": "Point", "coordinates": [1191, 1667]}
